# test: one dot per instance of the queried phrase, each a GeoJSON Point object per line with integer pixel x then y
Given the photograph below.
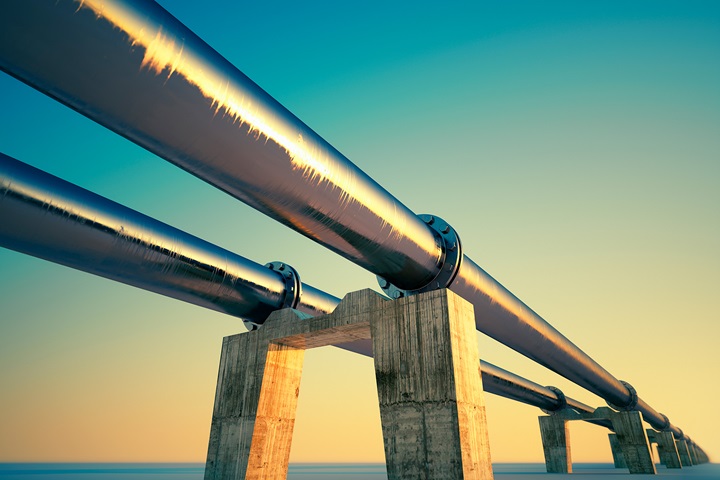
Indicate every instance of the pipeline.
{"type": "Point", "coordinates": [132, 67]}
{"type": "Point", "coordinates": [46, 217]}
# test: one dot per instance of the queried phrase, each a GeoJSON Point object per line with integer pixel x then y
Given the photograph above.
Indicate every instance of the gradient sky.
{"type": "Point", "coordinates": [575, 147]}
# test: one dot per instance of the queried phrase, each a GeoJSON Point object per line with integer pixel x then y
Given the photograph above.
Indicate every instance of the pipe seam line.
{"type": "Point", "coordinates": [448, 264]}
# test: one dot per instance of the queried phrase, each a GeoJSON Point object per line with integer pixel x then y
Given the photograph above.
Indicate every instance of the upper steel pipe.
{"type": "Point", "coordinates": [46, 217]}
{"type": "Point", "coordinates": [131, 66]}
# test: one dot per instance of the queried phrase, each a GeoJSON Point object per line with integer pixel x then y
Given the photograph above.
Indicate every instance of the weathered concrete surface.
{"type": "Point", "coordinates": [630, 434]}
{"type": "Point", "coordinates": [693, 453]}
{"type": "Point", "coordinates": [682, 449]}
{"type": "Point", "coordinates": [429, 387]}
{"type": "Point", "coordinates": [431, 402]}
{"type": "Point", "coordinates": [618, 457]}
{"type": "Point", "coordinates": [667, 450]}
{"type": "Point", "coordinates": [254, 413]}
{"type": "Point", "coordinates": [556, 444]}
{"type": "Point", "coordinates": [632, 438]}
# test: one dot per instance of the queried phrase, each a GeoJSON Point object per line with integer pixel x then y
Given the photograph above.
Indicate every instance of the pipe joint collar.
{"type": "Point", "coordinates": [562, 400]}
{"type": "Point", "coordinates": [632, 403]}
{"type": "Point", "coordinates": [293, 286]}
{"type": "Point", "coordinates": [666, 423]}
{"type": "Point", "coordinates": [448, 264]}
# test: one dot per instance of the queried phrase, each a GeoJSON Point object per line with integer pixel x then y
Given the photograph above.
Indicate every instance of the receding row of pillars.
{"type": "Point", "coordinates": [631, 444]}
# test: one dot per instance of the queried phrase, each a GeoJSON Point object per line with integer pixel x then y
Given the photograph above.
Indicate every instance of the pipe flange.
{"type": "Point", "coordinates": [562, 401]}
{"type": "Point", "coordinates": [293, 286]}
{"type": "Point", "coordinates": [449, 262]}
{"type": "Point", "coordinates": [632, 404]}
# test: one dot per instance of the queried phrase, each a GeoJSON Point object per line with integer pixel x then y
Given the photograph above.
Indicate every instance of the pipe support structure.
{"type": "Point", "coordinates": [46, 217]}
{"type": "Point", "coordinates": [132, 67]}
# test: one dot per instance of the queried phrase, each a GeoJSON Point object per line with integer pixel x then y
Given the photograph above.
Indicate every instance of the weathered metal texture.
{"type": "Point", "coordinates": [46, 217]}
{"type": "Point", "coordinates": [131, 66]}
{"type": "Point", "coordinates": [431, 404]}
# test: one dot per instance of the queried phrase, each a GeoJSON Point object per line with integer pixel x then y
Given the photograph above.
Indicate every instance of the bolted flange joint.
{"type": "Point", "coordinates": [448, 264]}
{"type": "Point", "coordinates": [562, 401]}
{"type": "Point", "coordinates": [293, 286]}
{"type": "Point", "coordinates": [632, 404]}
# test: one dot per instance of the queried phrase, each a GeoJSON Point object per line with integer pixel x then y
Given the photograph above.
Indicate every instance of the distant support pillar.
{"type": "Point", "coordinates": [630, 436]}
{"type": "Point", "coordinates": [667, 450]}
{"type": "Point", "coordinates": [684, 453]}
{"type": "Point", "coordinates": [693, 453]}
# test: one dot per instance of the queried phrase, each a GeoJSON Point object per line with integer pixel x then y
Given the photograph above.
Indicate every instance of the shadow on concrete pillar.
{"type": "Point", "coordinates": [618, 457]}
{"type": "Point", "coordinates": [556, 444]}
{"type": "Point", "coordinates": [683, 452]}
{"type": "Point", "coordinates": [693, 453]}
{"type": "Point", "coordinates": [429, 387]}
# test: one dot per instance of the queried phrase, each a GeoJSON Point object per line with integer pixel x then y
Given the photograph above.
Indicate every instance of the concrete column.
{"type": "Point", "coordinates": [683, 452]}
{"type": "Point", "coordinates": [693, 454]}
{"type": "Point", "coordinates": [556, 444]}
{"type": "Point", "coordinates": [254, 414]}
{"type": "Point", "coordinates": [618, 457]}
{"type": "Point", "coordinates": [667, 450]}
{"type": "Point", "coordinates": [430, 390]}
{"type": "Point", "coordinates": [633, 440]}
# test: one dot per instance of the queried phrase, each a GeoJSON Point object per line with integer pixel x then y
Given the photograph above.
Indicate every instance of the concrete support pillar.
{"type": "Point", "coordinates": [556, 444]}
{"type": "Point", "coordinates": [693, 453]}
{"type": "Point", "coordinates": [683, 452]}
{"type": "Point", "coordinates": [428, 376]}
{"type": "Point", "coordinates": [254, 413]}
{"type": "Point", "coordinates": [667, 450]}
{"type": "Point", "coordinates": [618, 457]}
{"type": "Point", "coordinates": [633, 440]}
{"type": "Point", "coordinates": [431, 399]}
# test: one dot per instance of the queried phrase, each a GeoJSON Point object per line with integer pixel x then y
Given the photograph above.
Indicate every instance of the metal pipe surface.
{"type": "Point", "coordinates": [46, 217]}
{"type": "Point", "coordinates": [132, 67]}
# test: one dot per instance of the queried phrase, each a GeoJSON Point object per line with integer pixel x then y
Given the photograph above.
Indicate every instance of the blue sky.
{"type": "Point", "coordinates": [575, 146]}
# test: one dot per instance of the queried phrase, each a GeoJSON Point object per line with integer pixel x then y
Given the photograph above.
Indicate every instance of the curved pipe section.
{"type": "Point", "coordinates": [132, 67]}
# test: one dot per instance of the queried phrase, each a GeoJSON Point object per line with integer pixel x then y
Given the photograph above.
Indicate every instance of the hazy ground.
{"type": "Point", "coordinates": [504, 471]}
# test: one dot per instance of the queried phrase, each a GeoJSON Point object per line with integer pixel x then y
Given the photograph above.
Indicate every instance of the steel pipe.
{"type": "Point", "coordinates": [131, 66]}
{"type": "Point", "coordinates": [46, 217]}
